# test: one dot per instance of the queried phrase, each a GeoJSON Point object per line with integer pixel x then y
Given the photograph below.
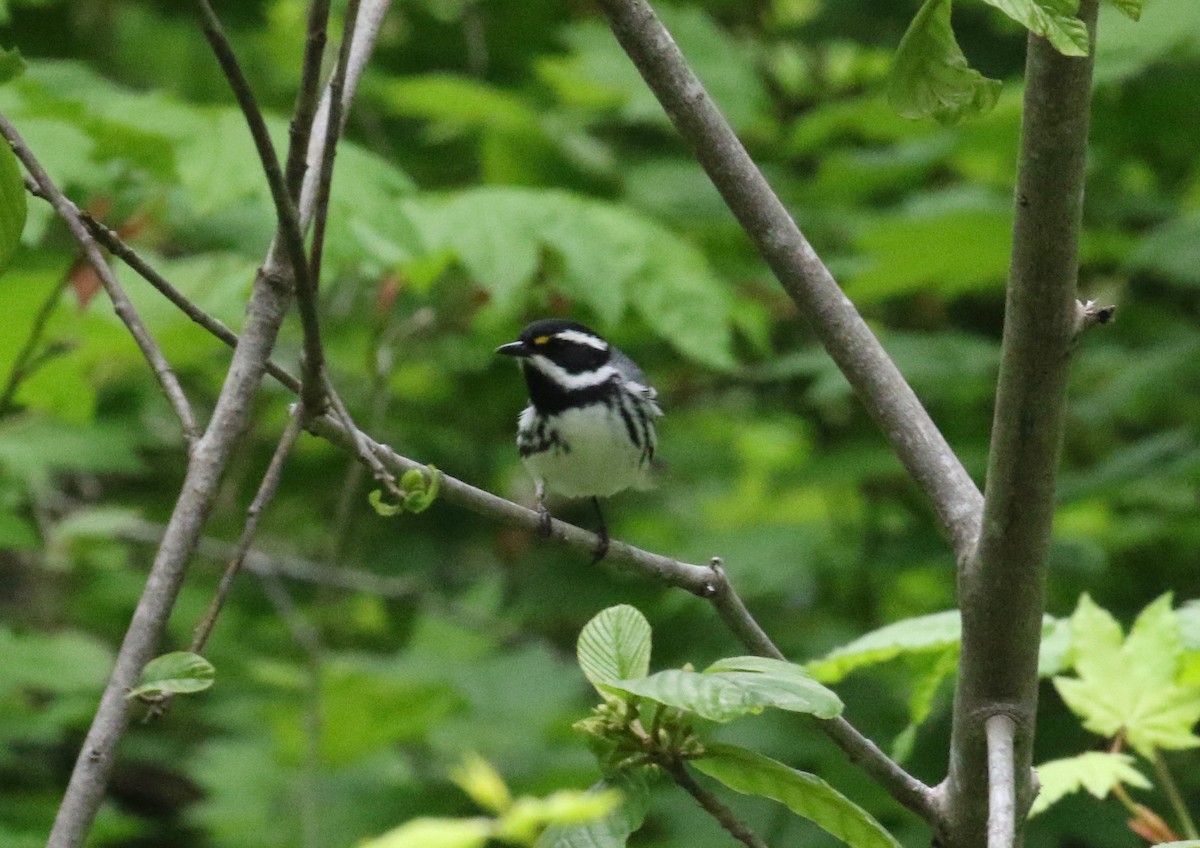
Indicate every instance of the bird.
{"type": "Point", "coordinates": [588, 431]}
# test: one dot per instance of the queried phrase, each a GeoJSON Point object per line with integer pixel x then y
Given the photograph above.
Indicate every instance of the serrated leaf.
{"type": "Point", "coordinates": [611, 830]}
{"type": "Point", "coordinates": [723, 695]}
{"type": "Point", "coordinates": [926, 633]}
{"type": "Point", "coordinates": [178, 672]}
{"type": "Point", "coordinates": [930, 75]}
{"type": "Point", "coordinates": [1055, 20]}
{"type": "Point", "coordinates": [13, 206]}
{"type": "Point", "coordinates": [614, 645]}
{"type": "Point", "coordinates": [802, 793]}
{"type": "Point", "coordinates": [434, 833]}
{"type": "Point", "coordinates": [1130, 685]}
{"type": "Point", "coordinates": [1096, 771]}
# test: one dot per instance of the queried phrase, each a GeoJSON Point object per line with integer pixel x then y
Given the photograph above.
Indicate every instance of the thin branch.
{"type": "Point", "coordinates": [308, 96]}
{"type": "Point", "coordinates": [268, 303]}
{"type": "Point", "coordinates": [708, 582]}
{"type": "Point", "coordinates": [285, 210]}
{"type": "Point", "coordinates": [711, 804]}
{"type": "Point", "coordinates": [293, 568]}
{"type": "Point", "coordinates": [880, 386]}
{"type": "Point", "coordinates": [266, 493]}
{"type": "Point", "coordinates": [1173, 795]}
{"type": "Point", "coordinates": [120, 301]}
{"type": "Point", "coordinates": [115, 245]}
{"type": "Point", "coordinates": [25, 363]}
{"type": "Point", "coordinates": [1001, 588]}
{"type": "Point", "coordinates": [1002, 801]}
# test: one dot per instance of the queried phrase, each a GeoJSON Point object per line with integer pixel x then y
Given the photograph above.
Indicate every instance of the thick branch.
{"type": "Point", "coordinates": [1001, 588]}
{"type": "Point", "coordinates": [878, 383]}
{"type": "Point", "coordinates": [122, 305]}
{"type": "Point", "coordinates": [268, 303]}
{"type": "Point", "coordinates": [1002, 800]}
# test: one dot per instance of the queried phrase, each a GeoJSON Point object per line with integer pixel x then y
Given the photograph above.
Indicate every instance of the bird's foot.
{"type": "Point", "coordinates": [544, 519]}
{"type": "Point", "coordinates": [601, 550]}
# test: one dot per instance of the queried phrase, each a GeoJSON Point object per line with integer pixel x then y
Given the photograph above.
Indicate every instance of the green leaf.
{"type": "Point", "coordinates": [802, 793]}
{"type": "Point", "coordinates": [1132, 9]}
{"type": "Point", "coordinates": [12, 65]}
{"type": "Point", "coordinates": [382, 507]}
{"type": "Point", "coordinates": [613, 829]}
{"type": "Point", "coordinates": [480, 780]}
{"type": "Point", "coordinates": [1130, 685]}
{"type": "Point", "coordinates": [1055, 20]}
{"type": "Point", "coordinates": [55, 663]}
{"type": "Point", "coordinates": [434, 833]}
{"type": "Point", "coordinates": [736, 687]}
{"type": "Point", "coordinates": [528, 817]}
{"type": "Point", "coordinates": [614, 645]}
{"type": "Point", "coordinates": [926, 633]}
{"type": "Point", "coordinates": [930, 76]}
{"type": "Point", "coordinates": [1099, 772]}
{"type": "Point", "coordinates": [12, 203]}
{"type": "Point", "coordinates": [178, 672]}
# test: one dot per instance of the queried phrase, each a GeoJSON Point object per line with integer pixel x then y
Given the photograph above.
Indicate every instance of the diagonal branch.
{"type": "Point", "coordinates": [1001, 589]}
{"type": "Point", "coordinates": [120, 301]}
{"type": "Point", "coordinates": [268, 303]}
{"type": "Point", "coordinates": [851, 344]}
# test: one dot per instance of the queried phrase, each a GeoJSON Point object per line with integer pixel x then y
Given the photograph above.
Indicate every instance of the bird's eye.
{"type": "Point", "coordinates": [541, 340]}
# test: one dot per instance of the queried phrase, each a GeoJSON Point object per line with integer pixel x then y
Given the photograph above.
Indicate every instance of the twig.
{"type": "Point", "coordinates": [1089, 314]}
{"type": "Point", "coordinates": [1176, 799]}
{"type": "Point", "coordinates": [708, 582]}
{"type": "Point", "coordinates": [1002, 802]}
{"type": "Point", "coordinates": [120, 301]}
{"type": "Point", "coordinates": [1001, 588]}
{"type": "Point", "coordinates": [307, 97]}
{"type": "Point", "coordinates": [889, 399]}
{"type": "Point", "coordinates": [293, 568]}
{"type": "Point", "coordinates": [264, 496]}
{"type": "Point", "coordinates": [285, 209]}
{"type": "Point", "coordinates": [25, 362]}
{"type": "Point", "coordinates": [119, 248]}
{"type": "Point", "coordinates": [711, 804]}
{"type": "Point", "coordinates": [268, 302]}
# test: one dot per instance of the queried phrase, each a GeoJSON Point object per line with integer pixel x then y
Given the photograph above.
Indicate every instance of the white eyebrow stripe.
{"type": "Point", "coordinates": [566, 380]}
{"type": "Point", "coordinates": [582, 338]}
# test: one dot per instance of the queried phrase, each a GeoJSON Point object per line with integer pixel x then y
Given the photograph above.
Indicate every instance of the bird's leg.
{"type": "Point", "coordinates": [543, 528]}
{"type": "Point", "coordinates": [601, 546]}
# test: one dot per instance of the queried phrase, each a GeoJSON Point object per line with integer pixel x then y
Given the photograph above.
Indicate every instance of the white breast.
{"type": "Point", "coordinates": [598, 457]}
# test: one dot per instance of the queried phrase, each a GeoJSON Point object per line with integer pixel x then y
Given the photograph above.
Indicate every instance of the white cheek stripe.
{"type": "Point", "coordinates": [569, 381]}
{"type": "Point", "coordinates": [582, 338]}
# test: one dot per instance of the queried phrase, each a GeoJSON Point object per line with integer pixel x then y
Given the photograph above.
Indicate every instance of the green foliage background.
{"type": "Point", "coordinates": [506, 162]}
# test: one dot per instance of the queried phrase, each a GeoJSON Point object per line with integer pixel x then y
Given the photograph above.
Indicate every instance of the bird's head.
{"type": "Point", "coordinates": [565, 351]}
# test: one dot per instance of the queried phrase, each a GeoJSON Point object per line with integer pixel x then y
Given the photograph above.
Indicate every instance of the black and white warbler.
{"type": "Point", "coordinates": [588, 431]}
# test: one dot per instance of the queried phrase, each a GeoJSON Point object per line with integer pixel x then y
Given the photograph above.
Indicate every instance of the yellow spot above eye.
{"type": "Point", "coordinates": [541, 340]}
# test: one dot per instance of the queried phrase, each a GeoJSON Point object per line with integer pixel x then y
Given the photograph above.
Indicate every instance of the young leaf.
{"type": "Point", "coordinates": [12, 204]}
{"type": "Point", "coordinates": [802, 793]}
{"type": "Point", "coordinates": [930, 76]}
{"type": "Point", "coordinates": [614, 645]}
{"type": "Point", "coordinates": [927, 633]}
{"type": "Point", "coordinates": [726, 695]}
{"type": "Point", "coordinates": [611, 830]}
{"type": "Point", "coordinates": [382, 507]}
{"type": "Point", "coordinates": [1131, 685]}
{"type": "Point", "coordinates": [1099, 772]}
{"type": "Point", "coordinates": [178, 672]}
{"type": "Point", "coordinates": [483, 783]}
{"type": "Point", "coordinates": [1055, 20]}
{"type": "Point", "coordinates": [12, 65]}
{"type": "Point", "coordinates": [434, 833]}
{"type": "Point", "coordinates": [1132, 9]}
{"type": "Point", "coordinates": [530, 816]}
